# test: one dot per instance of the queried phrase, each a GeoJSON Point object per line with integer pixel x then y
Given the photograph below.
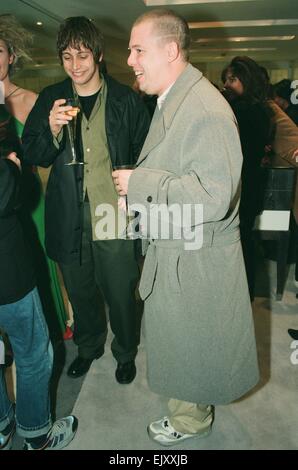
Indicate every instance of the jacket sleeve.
{"type": "Point", "coordinates": [9, 186]}
{"type": "Point", "coordinates": [140, 124]}
{"type": "Point", "coordinates": [286, 136]}
{"type": "Point", "coordinates": [210, 169]}
{"type": "Point", "coordinates": [37, 139]}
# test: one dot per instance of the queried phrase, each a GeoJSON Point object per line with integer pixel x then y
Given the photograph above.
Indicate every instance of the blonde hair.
{"type": "Point", "coordinates": [170, 27]}
{"type": "Point", "coordinates": [17, 40]}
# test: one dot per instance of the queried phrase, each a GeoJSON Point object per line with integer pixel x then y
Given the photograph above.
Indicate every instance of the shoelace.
{"type": "Point", "coordinates": [175, 433]}
{"type": "Point", "coordinates": [58, 426]}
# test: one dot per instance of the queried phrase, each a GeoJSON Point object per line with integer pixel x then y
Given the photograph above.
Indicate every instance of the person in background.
{"type": "Point", "coordinates": [245, 90]}
{"type": "Point", "coordinates": [284, 96]}
{"type": "Point", "coordinates": [200, 340]}
{"type": "Point", "coordinates": [284, 154]}
{"type": "Point", "coordinates": [22, 318]}
{"type": "Point", "coordinates": [285, 147]}
{"type": "Point", "coordinates": [111, 128]}
{"type": "Point", "coordinates": [14, 41]}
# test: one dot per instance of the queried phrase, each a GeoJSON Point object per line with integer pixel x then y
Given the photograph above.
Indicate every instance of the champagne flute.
{"type": "Point", "coordinates": [130, 232]}
{"type": "Point", "coordinates": [72, 128]}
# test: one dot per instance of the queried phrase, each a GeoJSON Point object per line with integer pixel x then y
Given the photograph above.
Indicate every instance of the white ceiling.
{"type": "Point", "coordinates": [219, 21]}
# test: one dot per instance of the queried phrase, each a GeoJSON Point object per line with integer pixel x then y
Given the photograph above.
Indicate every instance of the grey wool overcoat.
{"type": "Point", "coordinates": [199, 330]}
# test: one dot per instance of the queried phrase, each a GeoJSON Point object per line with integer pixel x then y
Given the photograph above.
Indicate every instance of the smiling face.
{"type": "Point", "coordinates": [150, 59]}
{"type": "Point", "coordinates": [6, 60]}
{"type": "Point", "coordinates": [80, 66]}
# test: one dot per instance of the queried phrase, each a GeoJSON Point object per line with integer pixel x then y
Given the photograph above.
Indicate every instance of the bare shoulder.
{"type": "Point", "coordinates": [21, 103]}
{"type": "Point", "coordinates": [28, 98]}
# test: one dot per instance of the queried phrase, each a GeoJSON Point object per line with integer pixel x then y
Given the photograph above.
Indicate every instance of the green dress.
{"type": "Point", "coordinates": [47, 277]}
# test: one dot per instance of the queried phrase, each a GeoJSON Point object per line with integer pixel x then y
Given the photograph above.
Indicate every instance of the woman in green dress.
{"type": "Point", "coordinates": [18, 103]}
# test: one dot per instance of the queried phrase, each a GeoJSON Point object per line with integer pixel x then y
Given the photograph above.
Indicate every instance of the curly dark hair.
{"type": "Point", "coordinates": [250, 75]}
{"type": "Point", "coordinates": [79, 31]}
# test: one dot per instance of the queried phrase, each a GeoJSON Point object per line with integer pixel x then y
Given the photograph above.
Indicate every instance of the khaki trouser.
{"type": "Point", "coordinates": [190, 418]}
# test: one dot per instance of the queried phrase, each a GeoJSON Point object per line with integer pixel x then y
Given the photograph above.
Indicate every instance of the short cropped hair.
{"type": "Point", "coordinates": [79, 31]}
{"type": "Point", "coordinates": [17, 40]}
{"type": "Point", "coordinates": [170, 27]}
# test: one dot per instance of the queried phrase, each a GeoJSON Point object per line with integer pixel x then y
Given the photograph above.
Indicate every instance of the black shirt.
{"type": "Point", "coordinates": [87, 103]}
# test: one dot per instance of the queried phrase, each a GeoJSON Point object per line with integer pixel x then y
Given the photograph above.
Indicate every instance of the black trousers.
{"type": "Point", "coordinates": [107, 272]}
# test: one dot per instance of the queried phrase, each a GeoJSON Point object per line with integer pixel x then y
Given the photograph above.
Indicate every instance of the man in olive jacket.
{"type": "Point", "coordinates": [112, 126]}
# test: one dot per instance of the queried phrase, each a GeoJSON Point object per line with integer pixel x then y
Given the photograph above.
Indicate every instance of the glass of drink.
{"type": "Point", "coordinates": [123, 167]}
{"type": "Point", "coordinates": [72, 129]}
{"type": "Point", "coordinates": [130, 215]}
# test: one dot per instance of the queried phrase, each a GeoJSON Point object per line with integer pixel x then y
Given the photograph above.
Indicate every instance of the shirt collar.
{"type": "Point", "coordinates": [161, 98]}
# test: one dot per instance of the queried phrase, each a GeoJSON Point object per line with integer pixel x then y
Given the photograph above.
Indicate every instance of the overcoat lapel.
{"type": "Point", "coordinates": [155, 135]}
{"type": "Point", "coordinates": [162, 119]}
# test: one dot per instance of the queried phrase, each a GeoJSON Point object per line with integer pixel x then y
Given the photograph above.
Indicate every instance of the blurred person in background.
{"type": "Point", "coordinates": [14, 42]}
{"type": "Point", "coordinates": [246, 92]}
{"type": "Point", "coordinates": [21, 317]}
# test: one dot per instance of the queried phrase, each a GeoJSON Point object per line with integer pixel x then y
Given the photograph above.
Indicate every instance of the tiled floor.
{"type": "Point", "coordinates": [115, 417]}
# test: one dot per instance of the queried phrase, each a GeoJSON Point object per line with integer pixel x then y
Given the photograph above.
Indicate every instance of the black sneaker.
{"type": "Point", "coordinates": [61, 434]}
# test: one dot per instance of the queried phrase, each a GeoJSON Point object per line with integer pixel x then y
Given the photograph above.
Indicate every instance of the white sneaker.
{"type": "Point", "coordinates": [163, 432]}
{"type": "Point", "coordinates": [61, 434]}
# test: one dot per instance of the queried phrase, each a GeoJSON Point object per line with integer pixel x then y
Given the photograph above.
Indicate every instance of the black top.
{"type": "Point", "coordinates": [254, 121]}
{"type": "Point", "coordinates": [87, 103]}
{"type": "Point", "coordinates": [16, 272]}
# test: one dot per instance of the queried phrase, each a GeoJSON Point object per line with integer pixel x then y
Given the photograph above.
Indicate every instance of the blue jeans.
{"type": "Point", "coordinates": [24, 323]}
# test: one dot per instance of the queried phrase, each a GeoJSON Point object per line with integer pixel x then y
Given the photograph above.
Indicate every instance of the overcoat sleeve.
{"type": "Point", "coordinates": [206, 175]}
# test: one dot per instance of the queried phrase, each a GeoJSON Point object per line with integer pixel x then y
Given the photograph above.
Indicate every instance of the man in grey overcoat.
{"type": "Point", "coordinates": [199, 329]}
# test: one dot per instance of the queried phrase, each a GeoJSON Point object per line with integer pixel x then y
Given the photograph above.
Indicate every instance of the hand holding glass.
{"type": "Point", "coordinates": [72, 128]}
{"type": "Point", "coordinates": [123, 204]}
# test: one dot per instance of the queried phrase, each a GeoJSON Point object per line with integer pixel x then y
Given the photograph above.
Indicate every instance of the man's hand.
{"type": "Point", "coordinates": [57, 117]}
{"type": "Point", "coordinates": [13, 157]}
{"type": "Point", "coordinates": [295, 156]}
{"type": "Point", "coordinates": [121, 179]}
